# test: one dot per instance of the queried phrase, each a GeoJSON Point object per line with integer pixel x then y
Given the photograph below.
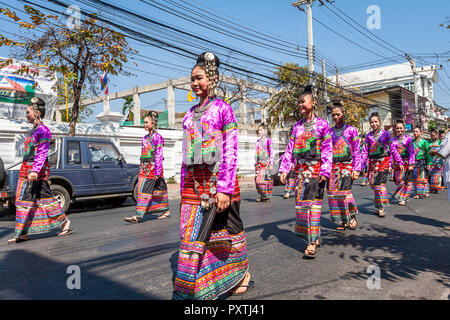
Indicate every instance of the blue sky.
{"type": "Point", "coordinates": [409, 25]}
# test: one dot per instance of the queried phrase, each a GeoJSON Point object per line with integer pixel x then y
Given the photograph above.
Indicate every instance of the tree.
{"type": "Point", "coordinates": [84, 112]}
{"type": "Point", "coordinates": [128, 105]}
{"type": "Point", "coordinates": [81, 51]}
{"type": "Point", "coordinates": [291, 82]}
{"type": "Point", "coordinates": [283, 105]}
{"type": "Point", "coordinates": [356, 107]}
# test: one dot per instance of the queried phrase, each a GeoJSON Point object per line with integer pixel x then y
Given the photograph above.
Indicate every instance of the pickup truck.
{"type": "Point", "coordinates": [81, 168]}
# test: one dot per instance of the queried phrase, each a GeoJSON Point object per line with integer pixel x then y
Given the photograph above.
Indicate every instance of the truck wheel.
{"type": "Point", "coordinates": [117, 201]}
{"type": "Point", "coordinates": [61, 195]}
{"type": "Point", "coordinates": [135, 193]}
{"type": "Point", "coordinates": [2, 173]}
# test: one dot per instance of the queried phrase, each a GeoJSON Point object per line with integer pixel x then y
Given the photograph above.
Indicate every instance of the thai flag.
{"type": "Point", "coordinates": [104, 83]}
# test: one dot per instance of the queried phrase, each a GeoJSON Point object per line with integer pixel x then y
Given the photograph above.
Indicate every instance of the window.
{"type": "Point", "coordinates": [102, 152]}
{"type": "Point", "coordinates": [409, 86]}
{"type": "Point", "coordinates": [52, 155]}
{"type": "Point", "coordinates": [73, 152]}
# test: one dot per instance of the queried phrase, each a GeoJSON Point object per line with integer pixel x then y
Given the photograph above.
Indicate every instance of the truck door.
{"type": "Point", "coordinates": [109, 174]}
{"type": "Point", "coordinates": [76, 165]}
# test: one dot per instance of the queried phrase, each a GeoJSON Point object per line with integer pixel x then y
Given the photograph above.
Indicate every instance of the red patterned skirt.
{"type": "Point", "coordinates": [36, 209]}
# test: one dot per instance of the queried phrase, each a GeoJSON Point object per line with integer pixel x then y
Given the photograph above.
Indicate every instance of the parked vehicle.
{"type": "Point", "coordinates": [82, 168]}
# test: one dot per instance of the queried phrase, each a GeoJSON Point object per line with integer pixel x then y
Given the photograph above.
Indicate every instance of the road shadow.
{"type": "Point", "coordinates": [421, 220]}
{"type": "Point", "coordinates": [405, 255]}
{"type": "Point", "coordinates": [398, 254]}
{"type": "Point", "coordinates": [26, 275]}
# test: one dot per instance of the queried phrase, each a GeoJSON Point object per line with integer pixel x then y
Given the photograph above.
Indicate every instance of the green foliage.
{"type": "Point", "coordinates": [128, 105]}
{"type": "Point", "coordinates": [171, 180]}
{"type": "Point", "coordinates": [283, 104]}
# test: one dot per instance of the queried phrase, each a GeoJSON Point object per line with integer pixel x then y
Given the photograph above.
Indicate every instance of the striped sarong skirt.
{"type": "Point", "coordinates": [436, 174]}
{"type": "Point", "coordinates": [213, 252]}
{"type": "Point", "coordinates": [340, 198]}
{"type": "Point", "coordinates": [37, 211]}
{"type": "Point", "coordinates": [263, 181]}
{"type": "Point", "coordinates": [378, 175]}
{"type": "Point", "coordinates": [404, 181]}
{"type": "Point", "coordinates": [152, 197]}
{"type": "Point", "coordinates": [308, 201]}
{"type": "Point", "coordinates": [420, 177]}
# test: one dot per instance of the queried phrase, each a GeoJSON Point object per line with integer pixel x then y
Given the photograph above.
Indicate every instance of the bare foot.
{"type": "Point", "coordinates": [19, 239]}
{"type": "Point", "coordinates": [134, 219]}
{"type": "Point", "coordinates": [164, 215]}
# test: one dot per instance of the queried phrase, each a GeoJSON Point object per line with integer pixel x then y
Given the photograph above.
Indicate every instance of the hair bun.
{"type": "Point", "coordinates": [308, 89]}
{"type": "Point", "coordinates": [338, 103]}
{"type": "Point", "coordinates": [208, 56]}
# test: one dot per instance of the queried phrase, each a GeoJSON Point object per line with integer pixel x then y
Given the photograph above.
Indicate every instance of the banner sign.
{"type": "Point", "coordinates": [17, 89]}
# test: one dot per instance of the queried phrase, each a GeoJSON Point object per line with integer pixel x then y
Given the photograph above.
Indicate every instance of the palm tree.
{"type": "Point", "coordinates": [128, 105]}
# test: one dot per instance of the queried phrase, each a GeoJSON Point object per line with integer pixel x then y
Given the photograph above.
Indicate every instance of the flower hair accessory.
{"type": "Point", "coordinates": [34, 101]}
{"type": "Point", "coordinates": [37, 114]}
{"type": "Point", "coordinates": [154, 116]}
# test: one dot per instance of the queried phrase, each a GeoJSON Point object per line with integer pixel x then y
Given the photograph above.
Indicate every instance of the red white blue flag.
{"type": "Point", "coordinates": [104, 83]}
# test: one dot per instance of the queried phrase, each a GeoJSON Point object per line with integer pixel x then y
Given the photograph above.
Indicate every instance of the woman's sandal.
{"type": "Point", "coordinates": [250, 285]}
{"type": "Point", "coordinates": [286, 196]}
{"type": "Point", "coordinates": [416, 196]}
{"type": "Point", "coordinates": [311, 253]}
{"type": "Point", "coordinates": [65, 230]}
{"type": "Point", "coordinates": [164, 215]}
{"type": "Point", "coordinates": [342, 227]}
{"type": "Point", "coordinates": [258, 199]}
{"type": "Point", "coordinates": [353, 223]}
{"type": "Point", "coordinates": [133, 220]}
{"type": "Point", "coordinates": [402, 203]}
{"type": "Point", "coordinates": [381, 213]}
{"type": "Point", "coordinates": [18, 240]}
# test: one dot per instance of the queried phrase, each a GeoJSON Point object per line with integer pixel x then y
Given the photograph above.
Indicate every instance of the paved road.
{"type": "Point", "coordinates": [121, 261]}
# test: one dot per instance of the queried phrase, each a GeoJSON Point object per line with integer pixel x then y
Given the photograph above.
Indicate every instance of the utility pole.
{"type": "Point", "coordinates": [299, 4]}
{"type": "Point", "coordinates": [417, 110]}
{"type": "Point", "coordinates": [325, 94]}
{"type": "Point", "coordinates": [311, 50]}
{"type": "Point", "coordinates": [418, 121]}
{"type": "Point", "coordinates": [337, 76]}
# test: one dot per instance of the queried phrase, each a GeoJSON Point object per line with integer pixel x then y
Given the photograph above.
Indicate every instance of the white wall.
{"type": "Point", "coordinates": [127, 140]}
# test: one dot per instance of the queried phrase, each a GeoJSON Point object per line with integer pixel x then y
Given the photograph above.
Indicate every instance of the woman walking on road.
{"type": "Point", "coordinates": [403, 173]}
{"type": "Point", "coordinates": [213, 253]}
{"type": "Point", "coordinates": [310, 150]}
{"type": "Point", "coordinates": [346, 168]}
{"type": "Point", "coordinates": [37, 211]}
{"type": "Point", "coordinates": [436, 164]}
{"type": "Point", "coordinates": [152, 197]}
{"type": "Point", "coordinates": [263, 165]}
{"type": "Point", "coordinates": [376, 156]}
{"type": "Point", "coordinates": [420, 175]}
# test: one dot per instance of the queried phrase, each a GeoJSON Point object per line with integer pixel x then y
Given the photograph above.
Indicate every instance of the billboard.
{"type": "Point", "coordinates": [17, 89]}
